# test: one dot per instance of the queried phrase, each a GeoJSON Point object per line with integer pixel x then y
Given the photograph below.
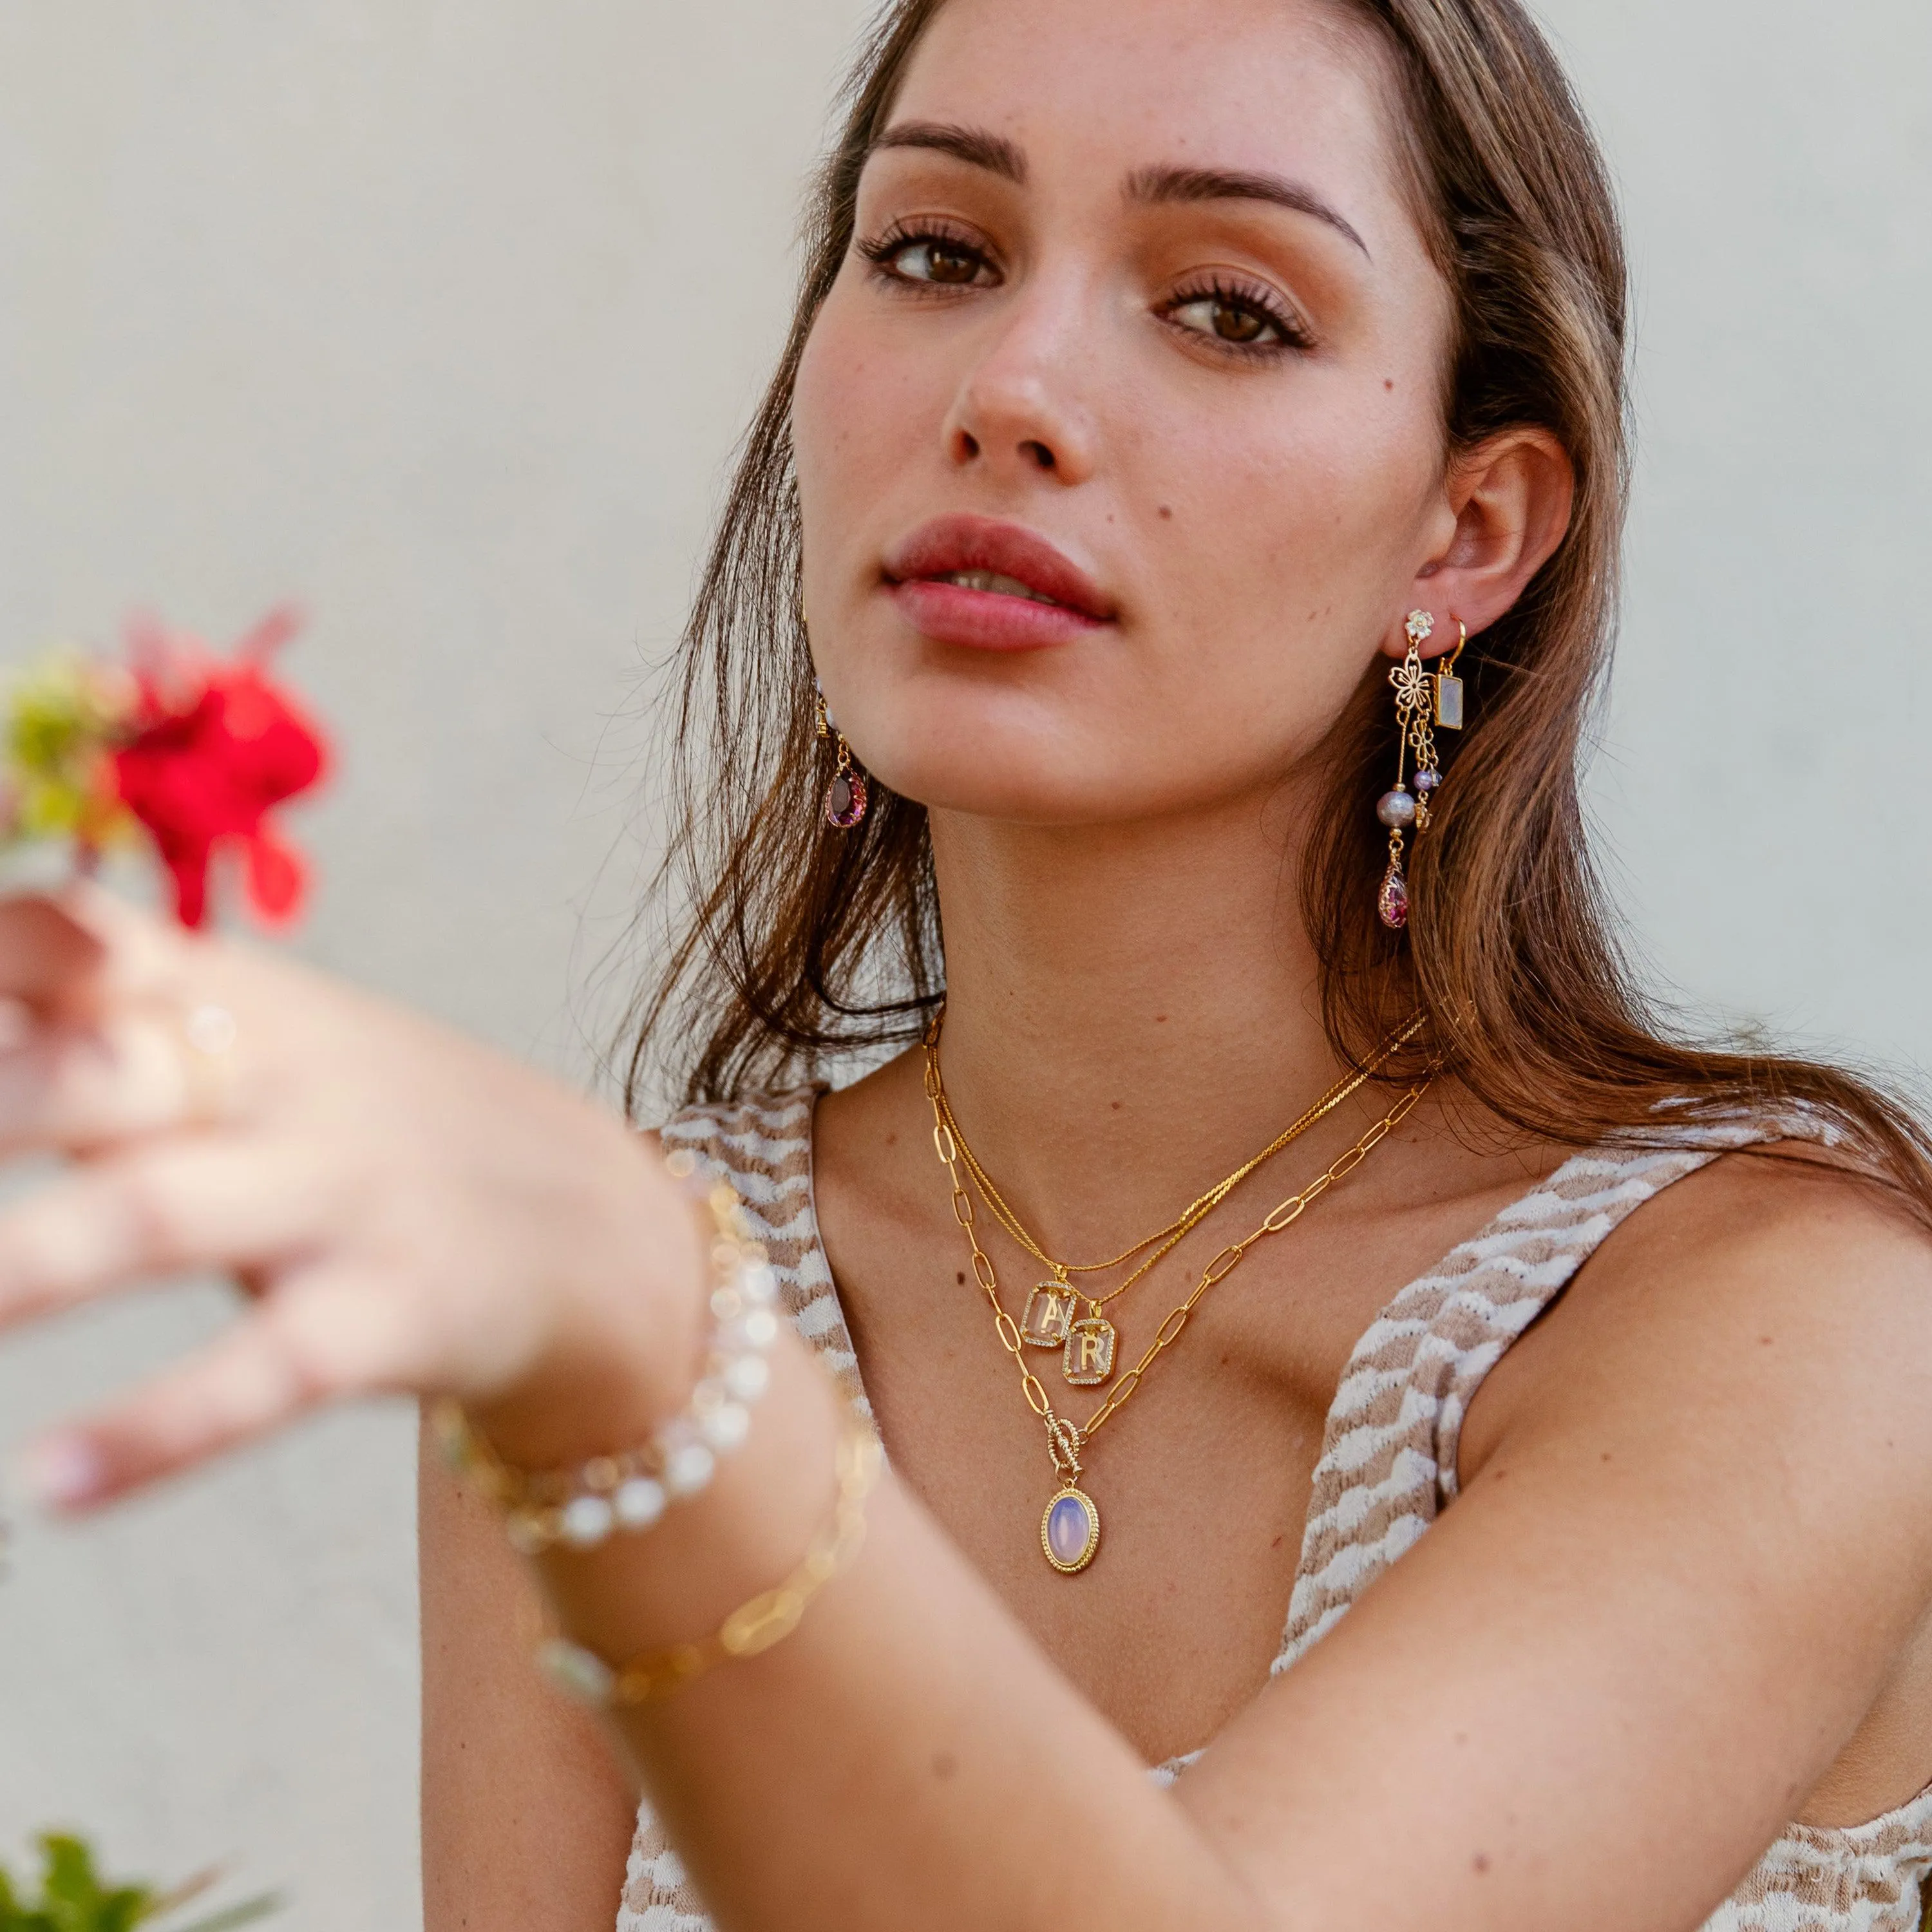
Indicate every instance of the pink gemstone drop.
{"type": "Point", "coordinates": [845, 799]}
{"type": "Point", "coordinates": [1393, 901]}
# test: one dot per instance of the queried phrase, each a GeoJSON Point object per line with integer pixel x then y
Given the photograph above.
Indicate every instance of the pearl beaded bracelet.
{"type": "Point", "coordinates": [580, 1507]}
{"type": "Point", "coordinates": [753, 1627]}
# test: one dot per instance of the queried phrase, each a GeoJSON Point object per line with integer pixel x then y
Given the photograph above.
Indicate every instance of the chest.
{"type": "Point", "coordinates": [1201, 1477]}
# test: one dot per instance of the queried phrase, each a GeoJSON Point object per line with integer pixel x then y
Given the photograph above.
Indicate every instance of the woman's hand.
{"type": "Point", "coordinates": [407, 1210]}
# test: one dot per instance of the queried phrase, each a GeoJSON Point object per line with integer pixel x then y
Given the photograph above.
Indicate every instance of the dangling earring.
{"type": "Point", "coordinates": [846, 796]}
{"type": "Point", "coordinates": [1421, 703]}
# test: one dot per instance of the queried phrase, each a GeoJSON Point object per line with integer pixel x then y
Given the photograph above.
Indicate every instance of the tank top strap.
{"type": "Point", "coordinates": [762, 1145]}
{"type": "Point", "coordinates": [1387, 1467]}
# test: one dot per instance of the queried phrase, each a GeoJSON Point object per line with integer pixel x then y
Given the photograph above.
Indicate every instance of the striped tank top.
{"type": "Point", "coordinates": [1387, 1470]}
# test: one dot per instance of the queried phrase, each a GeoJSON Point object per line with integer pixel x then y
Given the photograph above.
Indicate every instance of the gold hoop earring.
{"type": "Point", "coordinates": [1422, 702]}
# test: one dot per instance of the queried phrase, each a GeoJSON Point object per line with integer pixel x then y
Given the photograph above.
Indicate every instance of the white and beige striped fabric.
{"type": "Point", "coordinates": [1387, 1468]}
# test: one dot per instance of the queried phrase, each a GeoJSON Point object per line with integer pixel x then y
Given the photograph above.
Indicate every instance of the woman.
{"type": "Point", "coordinates": [1168, 374]}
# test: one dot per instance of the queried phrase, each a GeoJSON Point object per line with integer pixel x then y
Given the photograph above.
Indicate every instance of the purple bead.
{"type": "Point", "coordinates": [1427, 780]}
{"type": "Point", "coordinates": [1396, 809]}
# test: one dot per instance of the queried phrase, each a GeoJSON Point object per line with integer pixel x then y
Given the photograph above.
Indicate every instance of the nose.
{"type": "Point", "coordinates": [1019, 410]}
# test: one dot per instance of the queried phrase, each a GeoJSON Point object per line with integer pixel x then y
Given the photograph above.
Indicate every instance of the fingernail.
{"type": "Point", "coordinates": [61, 1472]}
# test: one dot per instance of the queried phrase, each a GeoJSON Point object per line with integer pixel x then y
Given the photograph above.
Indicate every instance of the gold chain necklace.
{"type": "Point", "coordinates": [1087, 1345]}
{"type": "Point", "coordinates": [1070, 1526]}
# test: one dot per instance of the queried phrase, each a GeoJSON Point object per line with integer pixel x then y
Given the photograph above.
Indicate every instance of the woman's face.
{"type": "Point", "coordinates": [1137, 319]}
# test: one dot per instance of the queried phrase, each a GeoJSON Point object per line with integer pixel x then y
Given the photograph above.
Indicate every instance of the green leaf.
{"type": "Point", "coordinates": [124, 1908]}
{"type": "Point", "coordinates": [74, 1899]}
{"type": "Point", "coordinates": [69, 1878]}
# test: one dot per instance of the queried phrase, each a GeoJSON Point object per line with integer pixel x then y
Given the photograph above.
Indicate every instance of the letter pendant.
{"type": "Point", "coordinates": [1050, 1311]}
{"type": "Point", "coordinates": [1069, 1531]}
{"type": "Point", "coordinates": [1087, 1359]}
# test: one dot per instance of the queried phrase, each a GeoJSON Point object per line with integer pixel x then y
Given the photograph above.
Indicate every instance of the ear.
{"type": "Point", "coordinates": [1510, 500]}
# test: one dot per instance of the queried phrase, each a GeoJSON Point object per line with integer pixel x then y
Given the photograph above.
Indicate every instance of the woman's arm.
{"type": "Point", "coordinates": [526, 1813]}
{"type": "Point", "coordinates": [1695, 1539]}
{"type": "Point", "coordinates": [1693, 1546]}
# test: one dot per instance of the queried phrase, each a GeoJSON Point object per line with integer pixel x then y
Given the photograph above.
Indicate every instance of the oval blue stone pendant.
{"type": "Point", "coordinates": [1069, 1531]}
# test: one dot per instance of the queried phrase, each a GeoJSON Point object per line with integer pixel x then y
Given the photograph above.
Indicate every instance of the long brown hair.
{"type": "Point", "coordinates": [799, 943]}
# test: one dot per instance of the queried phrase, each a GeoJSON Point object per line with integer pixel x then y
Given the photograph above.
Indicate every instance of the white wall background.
{"type": "Point", "coordinates": [443, 317]}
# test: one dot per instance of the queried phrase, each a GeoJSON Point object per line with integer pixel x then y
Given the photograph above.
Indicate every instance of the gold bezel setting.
{"type": "Point", "coordinates": [1092, 1512]}
{"type": "Point", "coordinates": [1065, 1303]}
{"type": "Point", "coordinates": [1099, 1327]}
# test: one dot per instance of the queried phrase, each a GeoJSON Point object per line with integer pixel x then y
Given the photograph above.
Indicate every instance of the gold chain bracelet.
{"type": "Point", "coordinates": [754, 1626]}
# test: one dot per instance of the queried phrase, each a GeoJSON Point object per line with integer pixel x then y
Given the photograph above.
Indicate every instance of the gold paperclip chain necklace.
{"type": "Point", "coordinates": [1052, 1320]}
{"type": "Point", "coordinates": [1069, 1527]}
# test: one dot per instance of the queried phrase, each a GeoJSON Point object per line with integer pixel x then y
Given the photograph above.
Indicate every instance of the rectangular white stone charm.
{"type": "Point", "coordinates": [1088, 1358]}
{"type": "Point", "coordinates": [1050, 1311]}
{"type": "Point", "coordinates": [1449, 703]}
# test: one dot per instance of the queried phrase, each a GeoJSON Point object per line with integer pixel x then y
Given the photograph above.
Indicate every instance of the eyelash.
{"type": "Point", "coordinates": [902, 235]}
{"type": "Point", "coordinates": [1292, 333]}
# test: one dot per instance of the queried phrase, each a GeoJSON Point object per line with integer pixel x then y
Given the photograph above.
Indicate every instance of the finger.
{"type": "Point", "coordinates": [66, 950]}
{"type": "Point", "coordinates": [186, 1201]}
{"type": "Point", "coordinates": [47, 951]}
{"type": "Point", "coordinates": [327, 1331]}
{"type": "Point", "coordinates": [74, 1087]}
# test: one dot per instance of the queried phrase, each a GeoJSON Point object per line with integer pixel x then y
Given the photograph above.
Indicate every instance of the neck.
{"type": "Point", "coordinates": [1131, 1010]}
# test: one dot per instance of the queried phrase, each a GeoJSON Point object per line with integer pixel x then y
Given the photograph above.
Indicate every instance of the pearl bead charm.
{"type": "Point", "coordinates": [638, 1503]}
{"type": "Point", "coordinates": [586, 1521]}
{"type": "Point", "coordinates": [747, 1378]}
{"type": "Point", "coordinates": [688, 1465]}
{"type": "Point", "coordinates": [1396, 809]}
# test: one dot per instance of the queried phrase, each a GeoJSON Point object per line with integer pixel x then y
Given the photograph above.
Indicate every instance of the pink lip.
{"type": "Point", "coordinates": [992, 620]}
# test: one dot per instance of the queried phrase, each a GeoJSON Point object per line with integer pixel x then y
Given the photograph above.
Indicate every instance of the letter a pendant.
{"type": "Point", "coordinates": [1050, 1311]}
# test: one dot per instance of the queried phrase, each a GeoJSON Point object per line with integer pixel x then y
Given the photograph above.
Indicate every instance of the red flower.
{"type": "Point", "coordinates": [216, 745]}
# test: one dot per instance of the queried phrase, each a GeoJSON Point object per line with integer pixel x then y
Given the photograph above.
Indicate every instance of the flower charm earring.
{"type": "Point", "coordinates": [1421, 703]}
{"type": "Point", "coordinates": [846, 797]}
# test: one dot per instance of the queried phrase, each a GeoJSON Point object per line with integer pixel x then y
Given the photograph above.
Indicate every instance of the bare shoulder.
{"type": "Point", "coordinates": [1771, 1272]}
{"type": "Point", "coordinates": [1789, 1226]}
{"type": "Point", "coordinates": [1768, 1319]}
{"type": "Point", "coordinates": [1731, 1394]}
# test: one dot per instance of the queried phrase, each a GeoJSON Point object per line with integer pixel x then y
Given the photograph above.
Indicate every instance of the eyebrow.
{"type": "Point", "coordinates": [1170, 183]}
{"type": "Point", "coordinates": [1149, 186]}
{"type": "Point", "coordinates": [972, 145]}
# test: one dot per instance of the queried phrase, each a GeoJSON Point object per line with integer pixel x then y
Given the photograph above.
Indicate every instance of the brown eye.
{"type": "Point", "coordinates": [1236, 324]}
{"type": "Point", "coordinates": [1241, 321]}
{"type": "Point", "coordinates": [947, 263]}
